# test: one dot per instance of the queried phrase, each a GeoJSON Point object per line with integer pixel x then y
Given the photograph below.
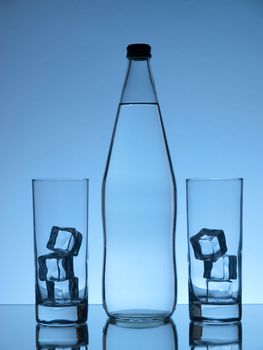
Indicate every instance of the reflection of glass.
{"type": "Point", "coordinates": [217, 336]}
{"type": "Point", "coordinates": [60, 237]}
{"type": "Point", "coordinates": [214, 218]}
{"type": "Point", "coordinates": [62, 337]}
{"type": "Point", "coordinates": [140, 336]}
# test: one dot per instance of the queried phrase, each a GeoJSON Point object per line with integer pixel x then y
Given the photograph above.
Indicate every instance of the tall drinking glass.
{"type": "Point", "coordinates": [60, 241]}
{"type": "Point", "coordinates": [214, 222]}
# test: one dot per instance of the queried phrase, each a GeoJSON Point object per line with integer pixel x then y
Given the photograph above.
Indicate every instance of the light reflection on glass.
{"type": "Point", "coordinates": [139, 335]}
{"type": "Point", "coordinates": [73, 337]}
{"type": "Point", "coordinates": [216, 336]}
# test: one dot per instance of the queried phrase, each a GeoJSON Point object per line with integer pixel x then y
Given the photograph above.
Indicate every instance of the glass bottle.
{"type": "Point", "coordinates": [139, 203]}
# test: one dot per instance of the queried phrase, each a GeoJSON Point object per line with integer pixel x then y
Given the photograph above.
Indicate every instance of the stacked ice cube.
{"type": "Point", "coordinates": [57, 267]}
{"type": "Point", "coordinates": [219, 269]}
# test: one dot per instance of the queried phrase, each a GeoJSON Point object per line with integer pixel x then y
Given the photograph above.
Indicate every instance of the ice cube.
{"type": "Point", "coordinates": [225, 268]}
{"type": "Point", "coordinates": [63, 290]}
{"type": "Point", "coordinates": [219, 289]}
{"type": "Point", "coordinates": [55, 266]}
{"type": "Point", "coordinates": [209, 244]}
{"type": "Point", "coordinates": [65, 239]}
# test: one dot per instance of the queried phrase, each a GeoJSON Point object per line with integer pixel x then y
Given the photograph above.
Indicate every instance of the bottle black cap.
{"type": "Point", "coordinates": [139, 51]}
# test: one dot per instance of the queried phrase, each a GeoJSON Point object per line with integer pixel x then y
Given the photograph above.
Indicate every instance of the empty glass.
{"type": "Point", "coordinates": [214, 218]}
{"type": "Point", "coordinates": [60, 238]}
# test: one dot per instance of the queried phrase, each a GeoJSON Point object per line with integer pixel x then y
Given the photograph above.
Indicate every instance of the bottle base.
{"type": "Point", "coordinates": [215, 312]}
{"type": "Point", "coordinates": [62, 314]}
{"type": "Point", "coordinates": [139, 315]}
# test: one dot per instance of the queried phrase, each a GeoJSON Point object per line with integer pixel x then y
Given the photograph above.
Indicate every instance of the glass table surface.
{"type": "Point", "coordinates": [19, 330]}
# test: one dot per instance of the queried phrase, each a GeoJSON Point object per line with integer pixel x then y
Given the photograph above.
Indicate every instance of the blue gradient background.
{"type": "Point", "coordinates": [62, 65]}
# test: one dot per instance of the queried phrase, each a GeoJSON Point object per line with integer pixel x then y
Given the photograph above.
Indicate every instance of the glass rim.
{"type": "Point", "coordinates": [214, 179]}
{"type": "Point", "coordinates": [60, 180]}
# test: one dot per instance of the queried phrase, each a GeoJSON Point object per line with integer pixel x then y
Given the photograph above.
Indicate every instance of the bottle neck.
{"type": "Point", "coordinates": [139, 85]}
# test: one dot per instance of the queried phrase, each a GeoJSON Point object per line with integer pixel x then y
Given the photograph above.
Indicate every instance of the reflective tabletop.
{"type": "Point", "coordinates": [19, 330]}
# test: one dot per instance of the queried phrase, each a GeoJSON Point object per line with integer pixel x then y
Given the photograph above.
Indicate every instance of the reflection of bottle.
{"type": "Point", "coordinates": [139, 203]}
{"type": "Point", "coordinates": [62, 337]}
{"type": "Point", "coordinates": [140, 336]}
{"type": "Point", "coordinates": [218, 336]}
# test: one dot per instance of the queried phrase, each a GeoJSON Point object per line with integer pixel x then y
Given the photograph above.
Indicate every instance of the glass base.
{"type": "Point", "coordinates": [215, 312]}
{"type": "Point", "coordinates": [62, 314]}
{"type": "Point", "coordinates": [139, 315]}
{"type": "Point", "coordinates": [62, 337]}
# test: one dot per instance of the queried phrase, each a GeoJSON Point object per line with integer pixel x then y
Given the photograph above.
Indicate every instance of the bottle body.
{"type": "Point", "coordinates": [139, 205]}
